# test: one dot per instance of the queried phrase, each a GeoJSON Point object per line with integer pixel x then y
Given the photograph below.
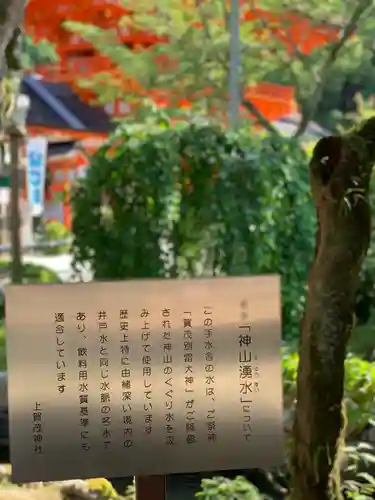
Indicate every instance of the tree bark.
{"type": "Point", "coordinates": [11, 18]}
{"type": "Point", "coordinates": [340, 171]}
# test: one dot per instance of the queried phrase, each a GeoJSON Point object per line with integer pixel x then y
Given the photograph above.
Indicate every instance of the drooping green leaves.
{"type": "Point", "coordinates": [196, 201]}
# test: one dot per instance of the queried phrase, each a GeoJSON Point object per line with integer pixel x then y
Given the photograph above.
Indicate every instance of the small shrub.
{"type": "Point", "coordinates": [354, 481]}
{"type": "Point", "coordinates": [55, 231]}
{"type": "Point", "coordinates": [221, 488]}
{"type": "Point", "coordinates": [359, 483]}
{"type": "Point", "coordinates": [197, 201]}
{"type": "Point", "coordinates": [32, 273]}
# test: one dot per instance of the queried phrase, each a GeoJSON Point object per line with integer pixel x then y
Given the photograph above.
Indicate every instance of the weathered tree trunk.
{"type": "Point", "coordinates": [340, 172]}
{"type": "Point", "coordinates": [11, 18]}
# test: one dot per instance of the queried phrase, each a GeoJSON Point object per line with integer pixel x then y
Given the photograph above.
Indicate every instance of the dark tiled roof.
{"type": "Point", "coordinates": [40, 113]}
{"type": "Point", "coordinates": [55, 105]}
{"type": "Point", "coordinates": [95, 119]}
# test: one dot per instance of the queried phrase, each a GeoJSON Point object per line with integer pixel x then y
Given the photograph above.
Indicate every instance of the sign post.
{"type": "Point", "coordinates": [144, 378]}
{"type": "Point", "coordinates": [147, 487]}
{"type": "Point", "coordinates": [36, 173]}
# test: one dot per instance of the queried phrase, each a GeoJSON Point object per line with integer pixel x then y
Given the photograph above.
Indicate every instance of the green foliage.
{"type": "Point", "coordinates": [359, 389]}
{"type": "Point", "coordinates": [53, 231]}
{"type": "Point", "coordinates": [33, 54]}
{"type": "Point", "coordinates": [358, 484]}
{"type": "Point", "coordinates": [195, 201]}
{"type": "Point", "coordinates": [221, 488]}
{"type": "Point", "coordinates": [360, 459]}
{"type": "Point", "coordinates": [32, 273]}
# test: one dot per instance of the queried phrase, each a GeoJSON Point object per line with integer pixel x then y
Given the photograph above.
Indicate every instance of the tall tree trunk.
{"type": "Point", "coordinates": [340, 172]}
{"type": "Point", "coordinates": [11, 18]}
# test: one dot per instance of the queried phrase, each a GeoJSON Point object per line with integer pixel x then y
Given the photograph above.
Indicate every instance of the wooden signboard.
{"type": "Point", "coordinates": [144, 378]}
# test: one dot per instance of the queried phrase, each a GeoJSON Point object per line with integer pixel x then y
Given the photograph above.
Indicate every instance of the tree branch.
{"type": "Point", "coordinates": [332, 56]}
{"type": "Point", "coordinates": [224, 62]}
{"type": "Point", "coordinates": [206, 28]}
{"type": "Point", "coordinates": [262, 121]}
{"type": "Point", "coordinates": [225, 15]}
